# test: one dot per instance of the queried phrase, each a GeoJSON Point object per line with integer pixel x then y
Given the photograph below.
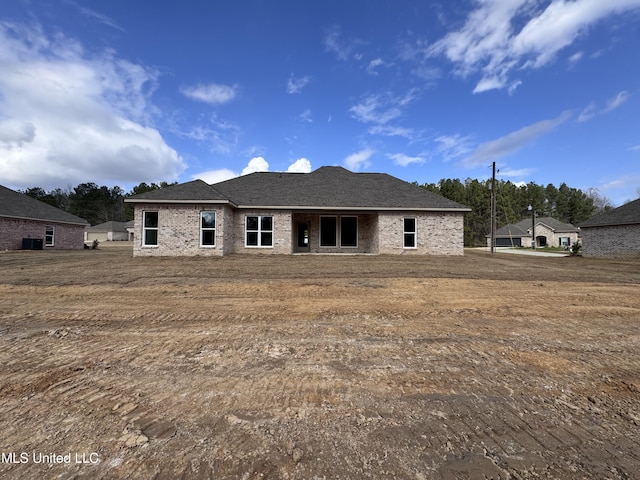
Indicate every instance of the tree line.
{"type": "Point", "coordinates": [99, 204]}
{"type": "Point", "coordinates": [96, 204]}
{"type": "Point", "coordinates": [564, 203]}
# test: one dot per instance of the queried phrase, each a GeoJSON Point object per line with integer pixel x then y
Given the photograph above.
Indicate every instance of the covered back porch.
{"type": "Point", "coordinates": [335, 232]}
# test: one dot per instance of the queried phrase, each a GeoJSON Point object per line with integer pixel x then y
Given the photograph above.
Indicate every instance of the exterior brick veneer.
{"type": "Point", "coordinates": [65, 236]}
{"type": "Point", "coordinates": [611, 241]}
{"type": "Point", "coordinates": [438, 233]}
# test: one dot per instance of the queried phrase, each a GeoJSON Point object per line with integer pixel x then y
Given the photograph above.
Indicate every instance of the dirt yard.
{"type": "Point", "coordinates": [318, 367]}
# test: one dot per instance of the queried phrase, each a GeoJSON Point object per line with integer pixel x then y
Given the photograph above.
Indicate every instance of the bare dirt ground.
{"type": "Point", "coordinates": [318, 367]}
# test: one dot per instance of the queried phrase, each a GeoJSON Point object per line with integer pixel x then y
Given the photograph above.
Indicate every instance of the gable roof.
{"type": "Point", "coordinates": [188, 192]}
{"type": "Point", "coordinates": [550, 222]}
{"type": "Point", "coordinates": [17, 205]}
{"type": "Point", "coordinates": [511, 230]}
{"type": "Point", "coordinates": [627, 214]}
{"type": "Point", "coordinates": [324, 188]}
{"type": "Point", "coordinates": [110, 226]}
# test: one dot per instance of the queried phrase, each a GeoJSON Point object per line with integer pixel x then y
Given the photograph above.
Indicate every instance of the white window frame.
{"type": "Point", "coordinates": [208, 229]}
{"type": "Point", "coordinates": [259, 231]}
{"type": "Point", "coordinates": [408, 232]}
{"type": "Point", "coordinates": [146, 229]}
{"type": "Point", "coordinates": [49, 238]}
{"type": "Point", "coordinates": [335, 245]}
{"type": "Point", "coordinates": [357, 227]}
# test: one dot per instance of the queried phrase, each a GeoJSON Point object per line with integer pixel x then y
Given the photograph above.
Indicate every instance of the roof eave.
{"type": "Point", "coordinates": [66, 222]}
{"type": "Point", "coordinates": [183, 202]}
{"type": "Point", "coordinates": [351, 208]}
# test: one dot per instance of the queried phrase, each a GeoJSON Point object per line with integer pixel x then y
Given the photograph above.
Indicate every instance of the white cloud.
{"type": "Point", "coordinates": [575, 58]}
{"type": "Point", "coordinates": [256, 164]}
{"type": "Point", "coordinates": [212, 93]}
{"type": "Point", "coordinates": [359, 160]}
{"type": "Point", "coordinates": [616, 101]}
{"type": "Point", "coordinates": [591, 110]}
{"type": "Point", "coordinates": [392, 131]}
{"type": "Point", "coordinates": [67, 117]}
{"type": "Point", "coordinates": [17, 131]}
{"type": "Point", "coordinates": [295, 85]}
{"type": "Point", "coordinates": [515, 172]}
{"type": "Point", "coordinates": [302, 165]}
{"type": "Point", "coordinates": [405, 160]}
{"type": "Point", "coordinates": [492, 43]}
{"type": "Point", "coordinates": [306, 116]}
{"type": "Point", "coordinates": [451, 147]}
{"type": "Point", "coordinates": [588, 113]}
{"type": "Point", "coordinates": [382, 108]}
{"type": "Point", "coordinates": [215, 176]}
{"type": "Point", "coordinates": [512, 142]}
{"type": "Point", "coordinates": [334, 43]}
{"type": "Point", "coordinates": [372, 68]}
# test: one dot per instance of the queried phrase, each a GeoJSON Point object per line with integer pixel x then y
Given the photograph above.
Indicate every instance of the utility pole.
{"type": "Point", "coordinates": [493, 208]}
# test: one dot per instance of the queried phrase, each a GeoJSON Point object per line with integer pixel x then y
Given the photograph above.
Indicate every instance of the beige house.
{"type": "Point", "coordinates": [330, 210]}
{"type": "Point", "coordinates": [106, 232]}
{"type": "Point", "coordinates": [549, 232]}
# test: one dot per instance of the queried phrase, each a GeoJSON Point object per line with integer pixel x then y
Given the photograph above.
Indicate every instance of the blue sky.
{"type": "Point", "coordinates": [119, 92]}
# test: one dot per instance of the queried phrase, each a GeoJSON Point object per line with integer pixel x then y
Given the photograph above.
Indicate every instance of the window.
{"type": "Point", "coordinates": [565, 241]}
{"type": "Point", "coordinates": [48, 236]}
{"type": "Point", "coordinates": [207, 229]}
{"type": "Point", "coordinates": [328, 232]}
{"type": "Point", "coordinates": [150, 229]}
{"type": "Point", "coordinates": [409, 232]}
{"type": "Point", "coordinates": [259, 231]}
{"type": "Point", "coordinates": [348, 231]}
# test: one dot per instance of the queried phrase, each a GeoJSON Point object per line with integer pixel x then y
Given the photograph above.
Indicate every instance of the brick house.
{"type": "Point", "coordinates": [549, 232]}
{"type": "Point", "coordinates": [615, 233]}
{"type": "Point", "coordinates": [330, 210]}
{"type": "Point", "coordinates": [29, 223]}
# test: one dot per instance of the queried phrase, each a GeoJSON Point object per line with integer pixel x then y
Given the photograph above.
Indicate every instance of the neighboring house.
{"type": "Point", "coordinates": [105, 232]}
{"type": "Point", "coordinates": [330, 210]}
{"type": "Point", "coordinates": [128, 226]}
{"type": "Point", "coordinates": [614, 233]}
{"type": "Point", "coordinates": [29, 223]}
{"type": "Point", "coordinates": [549, 233]}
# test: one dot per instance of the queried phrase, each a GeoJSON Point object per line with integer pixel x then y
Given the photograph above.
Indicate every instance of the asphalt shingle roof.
{"type": "Point", "coordinates": [18, 205]}
{"type": "Point", "coordinates": [326, 187]}
{"type": "Point", "coordinates": [111, 226]}
{"type": "Point", "coordinates": [511, 230]}
{"type": "Point", "coordinates": [627, 214]}
{"type": "Point", "coordinates": [189, 191]}
{"type": "Point", "coordinates": [330, 187]}
{"type": "Point", "coordinates": [552, 223]}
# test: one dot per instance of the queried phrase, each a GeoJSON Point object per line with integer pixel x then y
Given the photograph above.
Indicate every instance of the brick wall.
{"type": "Point", "coordinates": [437, 233]}
{"type": "Point", "coordinates": [65, 236]}
{"type": "Point", "coordinates": [282, 234]}
{"type": "Point", "coordinates": [614, 241]}
{"type": "Point", "coordinates": [178, 230]}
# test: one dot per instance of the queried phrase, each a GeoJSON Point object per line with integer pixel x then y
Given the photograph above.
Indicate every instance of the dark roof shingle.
{"type": "Point", "coordinates": [196, 190]}
{"type": "Point", "coordinates": [330, 187]}
{"type": "Point", "coordinates": [627, 214]}
{"type": "Point", "coordinates": [17, 205]}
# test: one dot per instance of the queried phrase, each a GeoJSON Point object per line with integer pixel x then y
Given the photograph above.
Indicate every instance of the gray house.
{"type": "Point", "coordinates": [615, 233]}
{"type": "Point", "coordinates": [549, 232]}
{"type": "Point", "coordinates": [330, 210]}
{"type": "Point", "coordinates": [31, 224]}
